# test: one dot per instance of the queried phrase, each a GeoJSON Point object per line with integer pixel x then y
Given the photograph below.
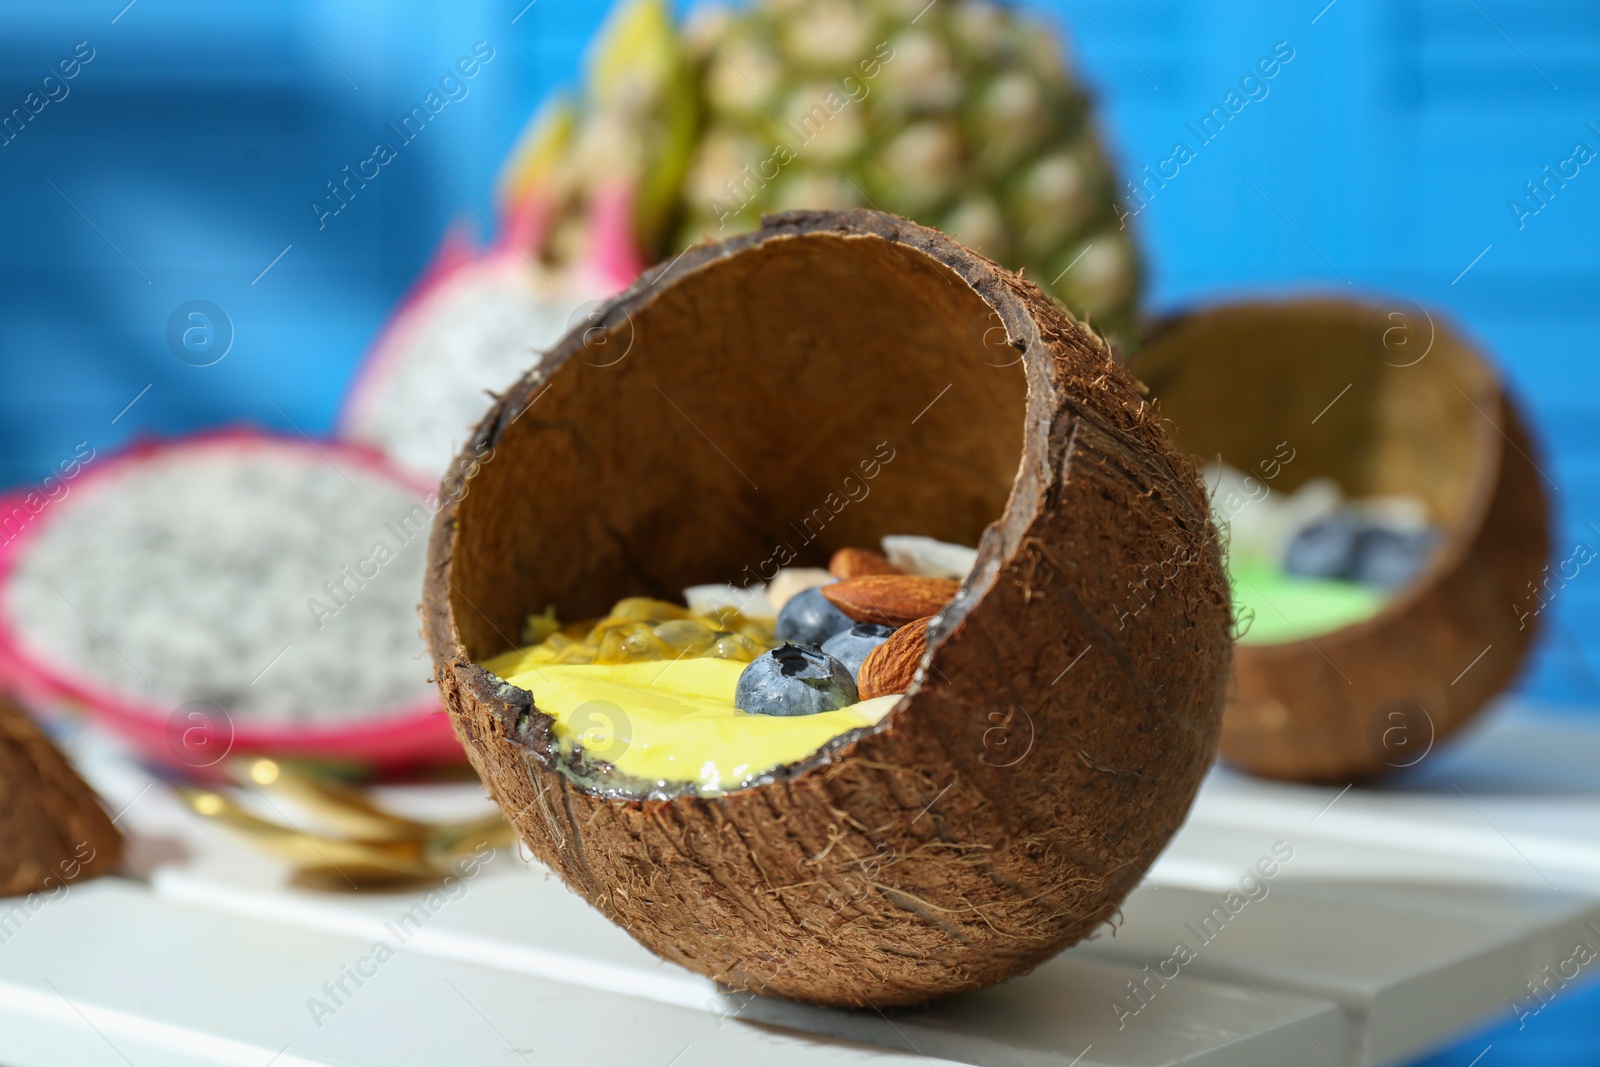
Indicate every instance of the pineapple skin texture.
{"type": "Point", "coordinates": [961, 115]}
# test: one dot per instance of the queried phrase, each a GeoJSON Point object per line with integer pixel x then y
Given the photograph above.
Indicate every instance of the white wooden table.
{"type": "Point", "coordinates": [1404, 916]}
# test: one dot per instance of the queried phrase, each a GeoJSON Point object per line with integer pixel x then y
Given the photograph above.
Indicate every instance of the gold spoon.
{"type": "Point", "coordinates": [383, 849]}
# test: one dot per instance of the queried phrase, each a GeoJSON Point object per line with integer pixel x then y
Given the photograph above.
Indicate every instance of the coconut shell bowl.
{"type": "Point", "coordinates": [1385, 401]}
{"type": "Point", "coordinates": [1042, 755]}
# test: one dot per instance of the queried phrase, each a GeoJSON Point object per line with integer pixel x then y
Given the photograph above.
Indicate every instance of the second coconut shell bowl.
{"type": "Point", "coordinates": [1384, 402]}
{"type": "Point", "coordinates": [1009, 801]}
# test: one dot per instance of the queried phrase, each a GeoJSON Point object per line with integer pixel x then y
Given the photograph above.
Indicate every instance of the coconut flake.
{"type": "Point", "coordinates": [750, 602]}
{"type": "Point", "coordinates": [1262, 522]}
{"type": "Point", "coordinates": [789, 582]}
{"type": "Point", "coordinates": [929, 557]}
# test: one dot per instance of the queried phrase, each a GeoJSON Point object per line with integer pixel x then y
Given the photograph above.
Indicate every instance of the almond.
{"type": "Point", "coordinates": [890, 667]}
{"type": "Point", "coordinates": [890, 599]}
{"type": "Point", "coordinates": [858, 562]}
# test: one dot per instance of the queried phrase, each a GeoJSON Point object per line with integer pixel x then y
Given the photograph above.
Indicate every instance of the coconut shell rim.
{"type": "Point", "coordinates": [438, 621]}
{"type": "Point", "coordinates": [977, 583]}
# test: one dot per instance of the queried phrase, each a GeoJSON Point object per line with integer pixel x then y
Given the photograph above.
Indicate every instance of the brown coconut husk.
{"type": "Point", "coordinates": [1425, 415]}
{"type": "Point", "coordinates": [53, 830]}
{"type": "Point", "coordinates": [1016, 794]}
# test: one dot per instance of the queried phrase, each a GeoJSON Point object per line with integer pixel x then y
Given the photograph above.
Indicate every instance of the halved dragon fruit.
{"type": "Point", "coordinates": [572, 204]}
{"type": "Point", "coordinates": [231, 593]}
{"type": "Point", "coordinates": [473, 324]}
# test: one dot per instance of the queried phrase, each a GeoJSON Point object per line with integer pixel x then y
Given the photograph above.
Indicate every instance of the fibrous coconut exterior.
{"type": "Point", "coordinates": [1050, 745]}
{"type": "Point", "coordinates": [1386, 399]}
{"type": "Point", "coordinates": [52, 828]}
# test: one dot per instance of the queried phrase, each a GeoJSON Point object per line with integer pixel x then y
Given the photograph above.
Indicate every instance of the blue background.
{"type": "Point", "coordinates": [184, 160]}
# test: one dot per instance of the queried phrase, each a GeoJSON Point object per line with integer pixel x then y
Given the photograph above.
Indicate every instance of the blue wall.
{"type": "Point", "coordinates": [184, 158]}
{"type": "Point", "coordinates": [1385, 157]}
{"type": "Point", "coordinates": [186, 155]}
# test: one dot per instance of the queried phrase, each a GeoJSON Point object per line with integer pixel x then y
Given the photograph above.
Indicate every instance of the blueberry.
{"type": "Point", "coordinates": [851, 646]}
{"type": "Point", "coordinates": [809, 619]}
{"type": "Point", "coordinates": [794, 680]}
{"type": "Point", "coordinates": [1389, 558]}
{"type": "Point", "coordinates": [1325, 549]}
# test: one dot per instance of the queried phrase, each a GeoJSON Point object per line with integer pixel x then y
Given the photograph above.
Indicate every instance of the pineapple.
{"type": "Point", "coordinates": [959, 114]}
{"type": "Point", "coordinates": [956, 113]}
